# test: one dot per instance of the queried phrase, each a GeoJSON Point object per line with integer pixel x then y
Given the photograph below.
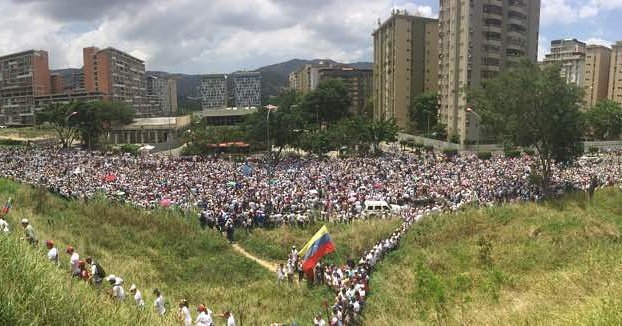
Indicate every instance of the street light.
{"type": "Point", "coordinates": [479, 120]}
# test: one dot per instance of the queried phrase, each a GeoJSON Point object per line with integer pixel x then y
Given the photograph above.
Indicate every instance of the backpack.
{"type": "Point", "coordinates": [99, 271]}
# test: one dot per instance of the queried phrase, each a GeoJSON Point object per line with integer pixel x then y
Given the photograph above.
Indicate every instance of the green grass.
{"type": "Point", "coordinates": [551, 264]}
{"type": "Point", "coordinates": [27, 132]}
{"type": "Point", "coordinates": [350, 239]}
{"type": "Point", "coordinates": [157, 249]}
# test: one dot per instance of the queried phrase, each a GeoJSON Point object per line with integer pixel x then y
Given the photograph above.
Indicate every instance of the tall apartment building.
{"type": "Point", "coordinates": [405, 64]}
{"type": "Point", "coordinates": [118, 75]}
{"type": "Point", "coordinates": [479, 39]}
{"type": "Point", "coordinates": [247, 88]}
{"type": "Point", "coordinates": [161, 95]}
{"type": "Point", "coordinates": [213, 91]}
{"type": "Point", "coordinates": [571, 55]}
{"type": "Point", "coordinates": [294, 80]}
{"type": "Point", "coordinates": [614, 89]}
{"type": "Point", "coordinates": [597, 60]}
{"type": "Point", "coordinates": [23, 76]}
{"type": "Point", "coordinates": [358, 83]}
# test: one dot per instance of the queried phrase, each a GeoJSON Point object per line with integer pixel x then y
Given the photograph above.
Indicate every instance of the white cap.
{"type": "Point", "coordinates": [24, 221]}
{"type": "Point", "coordinates": [133, 287]}
{"type": "Point", "coordinates": [111, 277]}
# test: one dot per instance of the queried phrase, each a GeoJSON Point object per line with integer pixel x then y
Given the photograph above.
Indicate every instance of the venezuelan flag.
{"type": "Point", "coordinates": [7, 206]}
{"type": "Point", "coordinates": [319, 245]}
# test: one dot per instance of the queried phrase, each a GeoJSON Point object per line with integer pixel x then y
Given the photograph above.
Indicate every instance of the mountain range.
{"type": "Point", "coordinates": [274, 78]}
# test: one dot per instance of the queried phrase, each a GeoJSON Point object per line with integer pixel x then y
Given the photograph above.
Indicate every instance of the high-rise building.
{"type": "Point", "coordinates": [614, 89]}
{"type": "Point", "coordinates": [358, 83]}
{"type": "Point", "coordinates": [405, 64]}
{"type": "Point", "coordinates": [161, 95]}
{"type": "Point", "coordinates": [247, 88]}
{"type": "Point", "coordinates": [213, 91]}
{"type": "Point", "coordinates": [479, 39]}
{"type": "Point", "coordinates": [118, 75]}
{"type": "Point", "coordinates": [294, 80]}
{"type": "Point", "coordinates": [570, 54]}
{"type": "Point", "coordinates": [597, 60]}
{"type": "Point", "coordinates": [23, 76]}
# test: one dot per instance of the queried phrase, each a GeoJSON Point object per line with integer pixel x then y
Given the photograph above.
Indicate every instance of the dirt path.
{"type": "Point", "coordinates": [270, 266]}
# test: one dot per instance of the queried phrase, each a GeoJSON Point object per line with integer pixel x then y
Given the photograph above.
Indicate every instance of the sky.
{"type": "Point", "coordinates": [220, 36]}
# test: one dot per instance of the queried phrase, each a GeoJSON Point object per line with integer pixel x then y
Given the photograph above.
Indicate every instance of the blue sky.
{"type": "Point", "coordinates": [215, 36]}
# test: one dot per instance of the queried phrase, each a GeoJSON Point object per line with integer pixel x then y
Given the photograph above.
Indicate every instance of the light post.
{"type": "Point", "coordinates": [479, 120]}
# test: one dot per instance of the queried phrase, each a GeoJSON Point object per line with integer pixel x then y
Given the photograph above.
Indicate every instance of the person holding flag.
{"type": "Point", "coordinates": [319, 245]}
{"type": "Point", "coordinates": [7, 206]}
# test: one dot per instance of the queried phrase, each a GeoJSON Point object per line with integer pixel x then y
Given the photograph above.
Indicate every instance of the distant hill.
{"type": "Point", "coordinates": [274, 77]}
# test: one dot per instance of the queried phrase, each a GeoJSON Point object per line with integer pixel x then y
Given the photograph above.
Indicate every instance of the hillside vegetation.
{"type": "Point", "coordinates": [557, 263]}
{"type": "Point", "coordinates": [151, 249]}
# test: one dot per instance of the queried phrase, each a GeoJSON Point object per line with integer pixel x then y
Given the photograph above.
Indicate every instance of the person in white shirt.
{"type": "Point", "coordinates": [138, 297]}
{"type": "Point", "coordinates": [29, 232]}
{"type": "Point", "coordinates": [318, 320]}
{"type": "Point", "coordinates": [184, 313]}
{"type": "Point", "coordinates": [4, 226]}
{"type": "Point", "coordinates": [205, 316]}
{"type": "Point", "coordinates": [159, 302]}
{"type": "Point", "coordinates": [230, 319]}
{"type": "Point", "coordinates": [74, 269]}
{"type": "Point", "coordinates": [96, 275]}
{"type": "Point", "coordinates": [117, 287]}
{"type": "Point", "coordinates": [280, 274]}
{"type": "Point", "coordinates": [53, 252]}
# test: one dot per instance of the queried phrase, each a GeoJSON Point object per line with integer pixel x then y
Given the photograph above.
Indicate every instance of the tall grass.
{"type": "Point", "coordinates": [550, 264]}
{"type": "Point", "coordinates": [159, 249]}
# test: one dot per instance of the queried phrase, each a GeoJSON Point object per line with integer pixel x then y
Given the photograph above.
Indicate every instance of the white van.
{"type": "Point", "coordinates": [379, 208]}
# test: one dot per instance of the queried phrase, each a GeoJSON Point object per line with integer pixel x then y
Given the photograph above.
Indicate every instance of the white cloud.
{"type": "Point", "coordinates": [558, 11]}
{"type": "Point", "coordinates": [598, 41]}
{"type": "Point", "coordinates": [198, 36]}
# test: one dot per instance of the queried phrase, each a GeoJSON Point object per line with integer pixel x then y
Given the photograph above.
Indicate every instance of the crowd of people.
{"type": "Point", "coordinates": [253, 192]}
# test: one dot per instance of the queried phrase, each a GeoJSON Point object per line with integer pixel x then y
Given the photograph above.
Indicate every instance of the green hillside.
{"type": "Point", "coordinates": [152, 249]}
{"type": "Point", "coordinates": [558, 263]}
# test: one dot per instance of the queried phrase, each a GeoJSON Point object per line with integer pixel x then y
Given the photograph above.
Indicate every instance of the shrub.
{"type": "Point", "coordinates": [529, 152]}
{"type": "Point", "coordinates": [512, 153]}
{"type": "Point", "coordinates": [594, 150]}
{"type": "Point", "coordinates": [130, 148]}
{"type": "Point", "coordinates": [455, 139]}
{"type": "Point", "coordinates": [484, 155]}
{"type": "Point", "coordinates": [11, 142]}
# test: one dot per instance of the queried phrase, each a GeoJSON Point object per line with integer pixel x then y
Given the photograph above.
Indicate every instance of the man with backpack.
{"type": "Point", "coordinates": [97, 272]}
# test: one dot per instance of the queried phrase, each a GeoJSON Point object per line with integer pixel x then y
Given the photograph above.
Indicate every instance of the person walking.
{"type": "Point", "coordinates": [74, 269]}
{"type": "Point", "coordinates": [280, 274]}
{"type": "Point", "coordinates": [85, 275]}
{"type": "Point", "coordinates": [29, 232]}
{"type": "Point", "coordinates": [52, 252]}
{"type": "Point", "coordinates": [184, 313]}
{"type": "Point", "coordinates": [97, 272]}
{"type": "Point", "coordinates": [4, 225]}
{"type": "Point", "coordinates": [205, 316]}
{"type": "Point", "coordinates": [117, 291]}
{"type": "Point", "coordinates": [159, 302]}
{"type": "Point", "coordinates": [138, 297]}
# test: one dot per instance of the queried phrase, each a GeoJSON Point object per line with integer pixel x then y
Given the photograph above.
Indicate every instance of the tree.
{"type": "Point", "coordinates": [530, 106]}
{"type": "Point", "coordinates": [93, 117]}
{"type": "Point", "coordinates": [604, 120]}
{"type": "Point", "coordinates": [327, 104]}
{"type": "Point", "coordinates": [423, 112]}
{"type": "Point", "coordinates": [60, 115]}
